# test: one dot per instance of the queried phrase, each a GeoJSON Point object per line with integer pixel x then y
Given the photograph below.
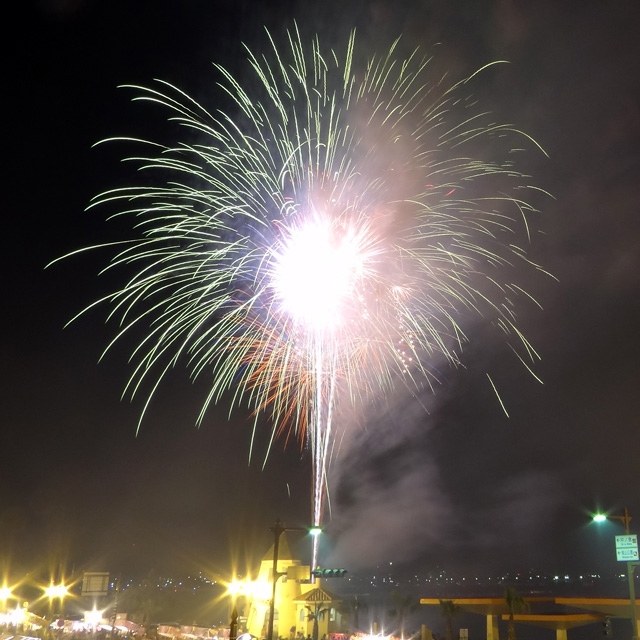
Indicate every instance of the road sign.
{"type": "Point", "coordinates": [95, 583]}
{"type": "Point", "coordinates": [299, 572]}
{"type": "Point", "coordinates": [627, 548]}
{"type": "Point", "coordinates": [627, 555]}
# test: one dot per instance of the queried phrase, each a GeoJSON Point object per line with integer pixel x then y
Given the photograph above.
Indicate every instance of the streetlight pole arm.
{"type": "Point", "coordinates": [625, 518]}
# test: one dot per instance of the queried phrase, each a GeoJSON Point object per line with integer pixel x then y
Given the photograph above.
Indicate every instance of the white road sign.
{"type": "Point", "coordinates": [627, 548]}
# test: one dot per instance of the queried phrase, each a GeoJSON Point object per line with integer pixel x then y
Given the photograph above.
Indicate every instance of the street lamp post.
{"type": "Point", "coordinates": [631, 566]}
{"type": "Point", "coordinates": [278, 529]}
{"type": "Point", "coordinates": [56, 592]}
{"type": "Point", "coordinates": [625, 518]}
{"type": "Point", "coordinates": [233, 626]}
{"type": "Point", "coordinates": [236, 589]}
{"type": "Point", "coordinates": [5, 593]}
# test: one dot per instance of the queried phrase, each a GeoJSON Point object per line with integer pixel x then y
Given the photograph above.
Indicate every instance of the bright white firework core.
{"type": "Point", "coordinates": [316, 272]}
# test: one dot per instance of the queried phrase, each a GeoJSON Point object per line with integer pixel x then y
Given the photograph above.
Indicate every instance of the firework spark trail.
{"type": "Point", "coordinates": [322, 242]}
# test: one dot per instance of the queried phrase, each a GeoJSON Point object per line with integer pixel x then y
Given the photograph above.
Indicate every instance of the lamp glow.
{"type": "Point", "coordinates": [17, 616]}
{"type": "Point", "coordinates": [93, 617]}
{"type": "Point", "coordinates": [56, 591]}
{"type": "Point", "coordinates": [236, 588]}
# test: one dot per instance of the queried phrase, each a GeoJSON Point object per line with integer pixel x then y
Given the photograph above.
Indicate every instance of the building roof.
{"type": "Point", "coordinates": [616, 607]}
{"type": "Point", "coordinates": [318, 595]}
{"type": "Point", "coordinates": [485, 606]}
{"type": "Point", "coordinates": [284, 551]}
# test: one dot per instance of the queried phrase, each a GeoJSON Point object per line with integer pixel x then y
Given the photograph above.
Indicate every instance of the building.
{"type": "Point", "coordinates": [299, 603]}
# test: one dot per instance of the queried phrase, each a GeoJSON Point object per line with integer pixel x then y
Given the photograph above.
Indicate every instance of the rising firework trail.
{"type": "Point", "coordinates": [325, 236]}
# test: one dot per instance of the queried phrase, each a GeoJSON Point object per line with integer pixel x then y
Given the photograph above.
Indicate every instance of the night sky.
{"type": "Point", "coordinates": [449, 480]}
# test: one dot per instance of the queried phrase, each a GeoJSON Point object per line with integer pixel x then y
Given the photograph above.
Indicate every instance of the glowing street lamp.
{"type": "Point", "coordinates": [18, 616]}
{"type": "Point", "coordinates": [14, 616]}
{"type": "Point", "coordinates": [237, 589]}
{"type": "Point", "coordinates": [625, 518]}
{"type": "Point", "coordinates": [55, 592]}
{"type": "Point", "coordinates": [5, 593]}
{"type": "Point", "coordinates": [93, 617]}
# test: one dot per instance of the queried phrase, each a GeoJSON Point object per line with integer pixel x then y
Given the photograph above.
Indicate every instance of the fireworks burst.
{"type": "Point", "coordinates": [320, 240]}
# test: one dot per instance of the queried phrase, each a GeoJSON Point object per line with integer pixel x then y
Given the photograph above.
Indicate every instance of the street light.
{"type": "Point", "coordinates": [278, 529]}
{"type": "Point", "coordinates": [236, 589]}
{"type": "Point", "coordinates": [315, 532]}
{"type": "Point", "coordinates": [93, 617]}
{"type": "Point", "coordinates": [56, 592]}
{"type": "Point", "coordinates": [6, 592]}
{"type": "Point", "coordinates": [625, 518]}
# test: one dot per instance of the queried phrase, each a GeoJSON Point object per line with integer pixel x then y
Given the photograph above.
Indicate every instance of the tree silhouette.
{"type": "Point", "coordinates": [516, 604]}
{"type": "Point", "coordinates": [353, 607]}
{"type": "Point", "coordinates": [403, 605]}
{"type": "Point", "coordinates": [448, 610]}
{"type": "Point", "coordinates": [143, 601]}
{"type": "Point", "coordinates": [316, 613]}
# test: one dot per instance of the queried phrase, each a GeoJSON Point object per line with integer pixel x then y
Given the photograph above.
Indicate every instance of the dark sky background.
{"type": "Point", "coordinates": [461, 485]}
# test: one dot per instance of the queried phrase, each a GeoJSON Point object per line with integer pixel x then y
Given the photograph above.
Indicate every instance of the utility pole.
{"type": "Point", "coordinates": [278, 529]}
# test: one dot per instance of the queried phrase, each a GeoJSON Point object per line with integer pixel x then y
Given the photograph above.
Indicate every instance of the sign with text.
{"type": "Point", "coordinates": [95, 583]}
{"type": "Point", "coordinates": [627, 548]}
{"type": "Point", "coordinates": [299, 572]}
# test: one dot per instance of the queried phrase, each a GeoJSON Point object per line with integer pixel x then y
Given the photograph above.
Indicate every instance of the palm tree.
{"type": "Point", "coordinates": [516, 604]}
{"type": "Point", "coordinates": [316, 613]}
{"type": "Point", "coordinates": [448, 610]}
{"type": "Point", "coordinates": [143, 601]}
{"type": "Point", "coordinates": [404, 605]}
{"type": "Point", "coordinates": [353, 607]}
